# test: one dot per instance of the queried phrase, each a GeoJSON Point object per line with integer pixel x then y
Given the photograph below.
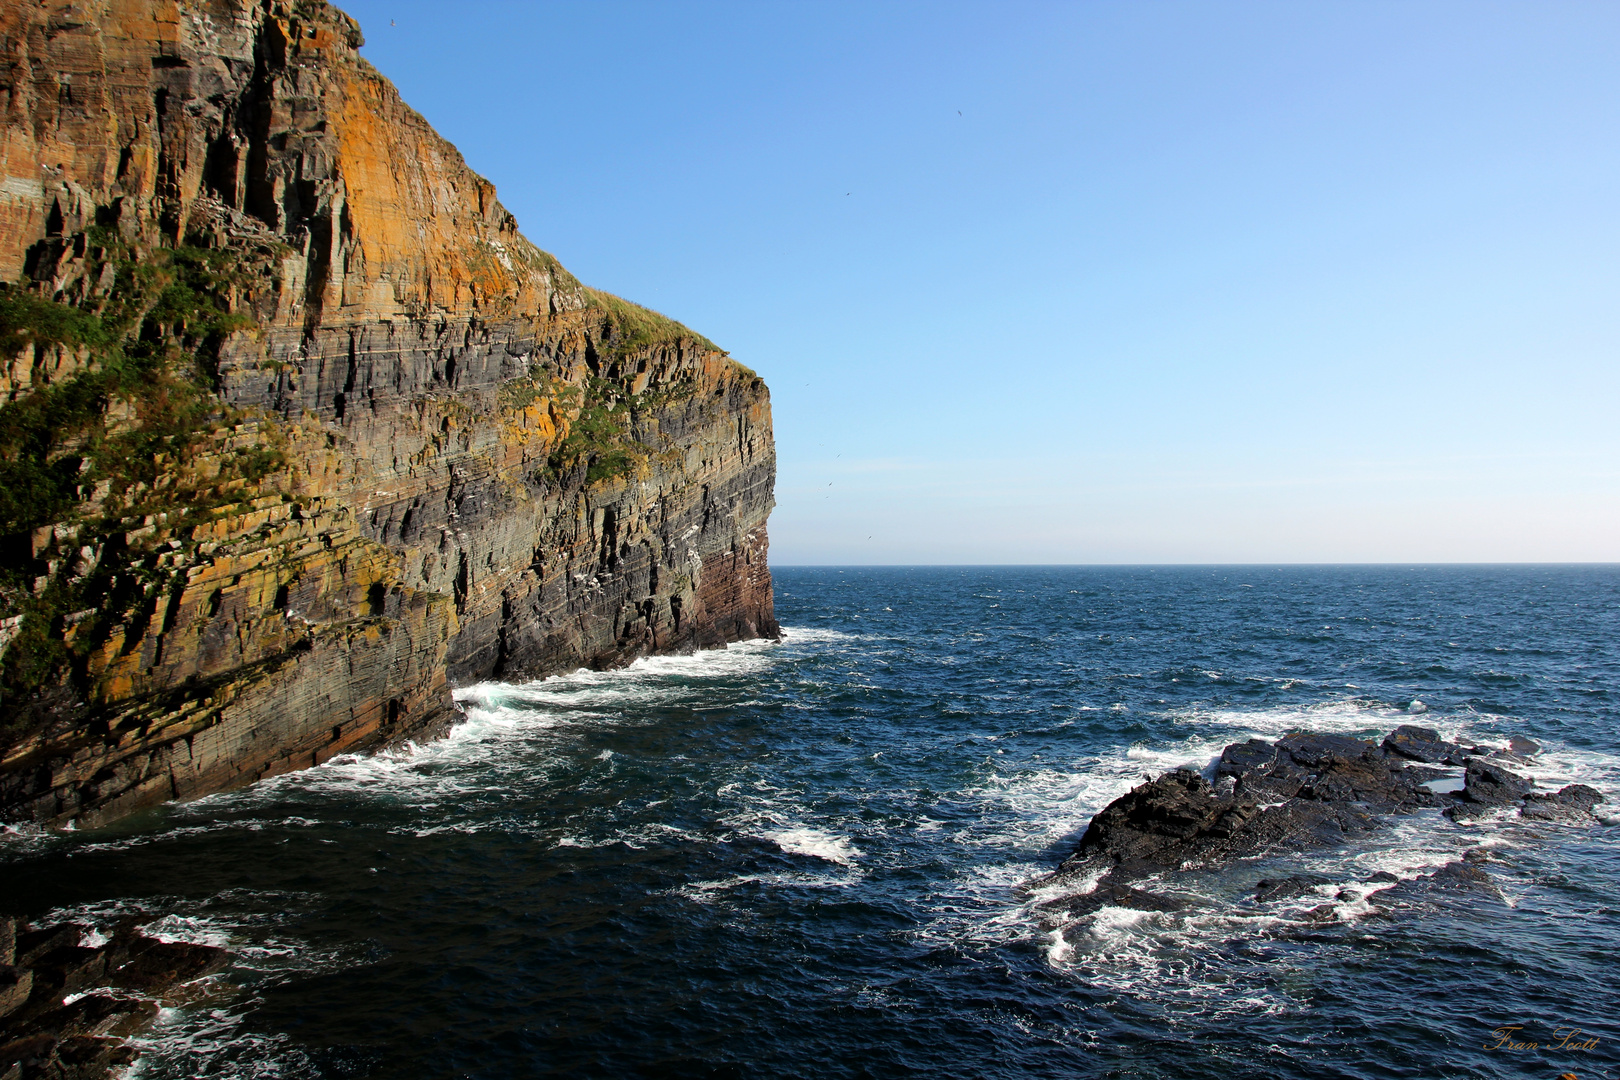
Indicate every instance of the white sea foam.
{"type": "Point", "coordinates": [1352, 717]}
{"type": "Point", "coordinates": [815, 843]}
{"type": "Point", "coordinates": [645, 681]}
{"type": "Point", "coordinates": [1058, 949]}
{"type": "Point", "coordinates": [1040, 806]}
{"type": "Point", "coordinates": [213, 1042]}
{"type": "Point", "coordinates": [638, 838]}
{"type": "Point", "coordinates": [709, 892]}
{"type": "Point", "coordinates": [464, 765]}
{"type": "Point", "coordinates": [190, 930]}
{"type": "Point", "coordinates": [246, 923]}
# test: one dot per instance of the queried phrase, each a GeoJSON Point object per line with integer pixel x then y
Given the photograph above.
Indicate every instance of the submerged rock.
{"type": "Point", "coordinates": [1462, 881]}
{"type": "Point", "coordinates": [1289, 887]}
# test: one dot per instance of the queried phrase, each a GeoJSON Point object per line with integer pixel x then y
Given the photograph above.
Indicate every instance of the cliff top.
{"type": "Point", "coordinates": [220, 122]}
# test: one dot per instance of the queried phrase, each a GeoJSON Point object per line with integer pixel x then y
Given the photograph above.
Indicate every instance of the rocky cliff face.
{"type": "Point", "coordinates": [299, 431]}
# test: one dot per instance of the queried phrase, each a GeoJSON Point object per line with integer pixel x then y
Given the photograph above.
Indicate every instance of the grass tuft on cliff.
{"type": "Point", "coordinates": [634, 327]}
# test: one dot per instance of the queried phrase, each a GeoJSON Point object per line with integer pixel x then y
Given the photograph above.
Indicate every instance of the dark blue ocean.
{"type": "Point", "coordinates": [809, 858]}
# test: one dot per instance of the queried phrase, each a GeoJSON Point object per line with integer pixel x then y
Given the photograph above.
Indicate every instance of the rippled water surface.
{"type": "Point", "coordinates": [806, 858]}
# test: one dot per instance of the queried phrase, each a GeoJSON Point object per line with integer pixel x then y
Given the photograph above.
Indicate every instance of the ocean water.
{"type": "Point", "coordinates": [814, 857]}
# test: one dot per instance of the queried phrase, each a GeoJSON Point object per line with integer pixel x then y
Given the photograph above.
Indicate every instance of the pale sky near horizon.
{"type": "Point", "coordinates": [1096, 282]}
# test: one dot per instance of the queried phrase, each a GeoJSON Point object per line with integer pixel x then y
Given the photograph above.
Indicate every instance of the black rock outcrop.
{"type": "Point", "coordinates": [1573, 805]}
{"type": "Point", "coordinates": [1421, 744]}
{"type": "Point", "coordinates": [1304, 791]}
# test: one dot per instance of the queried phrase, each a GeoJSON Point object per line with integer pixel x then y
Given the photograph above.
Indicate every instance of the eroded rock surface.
{"type": "Point", "coordinates": [66, 1006]}
{"type": "Point", "coordinates": [1305, 791]}
{"type": "Point", "coordinates": [353, 438]}
{"type": "Point", "coordinates": [1422, 744]}
{"type": "Point", "coordinates": [1573, 804]}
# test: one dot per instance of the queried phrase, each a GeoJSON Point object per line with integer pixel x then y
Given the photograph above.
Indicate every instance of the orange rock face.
{"type": "Point", "coordinates": [419, 452]}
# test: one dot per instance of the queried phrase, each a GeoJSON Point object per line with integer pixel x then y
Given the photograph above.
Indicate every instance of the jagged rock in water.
{"type": "Point", "coordinates": [141, 963]}
{"type": "Point", "coordinates": [1305, 791]}
{"type": "Point", "coordinates": [1487, 787]}
{"type": "Point", "coordinates": [1491, 785]}
{"type": "Point", "coordinates": [1420, 744]}
{"type": "Point", "coordinates": [44, 1035]}
{"type": "Point", "coordinates": [390, 446]}
{"type": "Point", "coordinates": [1240, 758]}
{"type": "Point", "coordinates": [1573, 805]}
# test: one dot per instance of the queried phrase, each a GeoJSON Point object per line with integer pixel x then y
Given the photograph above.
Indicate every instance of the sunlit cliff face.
{"type": "Point", "coordinates": [339, 436]}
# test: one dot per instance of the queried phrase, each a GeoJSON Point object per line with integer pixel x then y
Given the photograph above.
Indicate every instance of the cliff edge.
{"type": "Point", "coordinates": [296, 429]}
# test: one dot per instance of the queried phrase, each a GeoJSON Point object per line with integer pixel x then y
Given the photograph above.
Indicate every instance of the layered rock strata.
{"type": "Point", "coordinates": [299, 431]}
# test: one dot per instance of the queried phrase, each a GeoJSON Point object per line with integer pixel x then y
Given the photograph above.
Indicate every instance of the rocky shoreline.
{"type": "Point", "coordinates": [70, 999]}
{"type": "Point", "coordinates": [1302, 792]}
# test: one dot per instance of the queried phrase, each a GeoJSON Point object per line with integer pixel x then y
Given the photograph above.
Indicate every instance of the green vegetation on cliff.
{"type": "Point", "coordinates": [26, 319]}
{"type": "Point", "coordinates": [152, 346]}
{"type": "Point", "coordinates": [629, 327]}
{"type": "Point", "coordinates": [600, 436]}
{"type": "Point", "coordinates": [603, 436]}
{"type": "Point", "coordinates": [101, 448]}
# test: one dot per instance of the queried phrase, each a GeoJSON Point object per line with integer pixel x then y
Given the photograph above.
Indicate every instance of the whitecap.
{"type": "Point", "coordinates": [816, 844]}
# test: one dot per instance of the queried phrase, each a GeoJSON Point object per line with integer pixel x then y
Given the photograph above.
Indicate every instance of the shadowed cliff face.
{"type": "Point", "coordinates": [299, 431]}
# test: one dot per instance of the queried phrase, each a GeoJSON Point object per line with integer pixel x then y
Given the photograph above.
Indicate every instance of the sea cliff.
{"type": "Point", "coordinates": [298, 431]}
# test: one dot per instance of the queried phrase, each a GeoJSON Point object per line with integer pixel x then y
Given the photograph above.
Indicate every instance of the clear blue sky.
{"type": "Point", "coordinates": [1096, 282]}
